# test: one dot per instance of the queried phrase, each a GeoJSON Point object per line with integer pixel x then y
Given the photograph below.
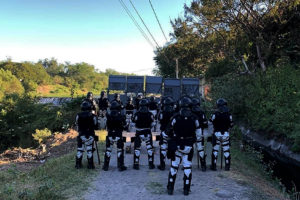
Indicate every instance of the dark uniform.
{"type": "Point", "coordinates": [182, 133]}
{"type": "Point", "coordinates": [144, 121]}
{"type": "Point", "coordinates": [103, 104]}
{"type": "Point", "coordinates": [164, 118]}
{"type": "Point", "coordinates": [129, 106]}
{"type": "Point", "coordinates": [200, 134]}
{"type": "Point", "coordinates": [115, 125]}
{"type": "Point", "coordinates": [222, 122]}
{"type": "Point", "coordinates": [86, 123]}
{"type": "Point", "coordinates": [137, 101]}
{"type": "Point", "coordinates": [118, 100]}
{"type": "Point", "coordinates": [89, 98]}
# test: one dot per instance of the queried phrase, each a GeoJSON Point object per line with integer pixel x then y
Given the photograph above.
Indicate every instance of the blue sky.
{"type": "Point", "coordinates": [98, 32]}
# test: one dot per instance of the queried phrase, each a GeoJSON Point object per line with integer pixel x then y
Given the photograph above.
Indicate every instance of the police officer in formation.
{"type": "Point", "coordinates": [115, 123]}
{"type": "Point", "coordinates": [144, 121]}
{"type": "Point", "coordinates": [222, 122]}
{"type": "Point", "coordinates": [103, 104]}
{"type": "Point", "coordinates": [118, 100]}
{"type": "Point", "coordinates": [164, 118]}
{"type": "Point", "coordinates": [90, 99]}
{"type": "Point", "coordinates": [86, 123]}
{"type": "Point", "coordinates": [200, 134]}
{"type": "Point", "coordinates": [129, 106]}
{"type": "Point", "coordinates": [182, 133]}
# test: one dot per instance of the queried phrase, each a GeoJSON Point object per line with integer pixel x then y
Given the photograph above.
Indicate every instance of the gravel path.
{"type": "Point", "coordinates": [148, 184]}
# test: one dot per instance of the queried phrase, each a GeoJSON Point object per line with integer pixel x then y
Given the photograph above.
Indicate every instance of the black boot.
{"type": "Point", "coordinates": [78, 163]}
{"type": "Point", "coordinates": [106, 163]}
{"type": "Point", "coordinates": [171, 183]}
{"type": "Point", "coordinates": [203, 163]}
{"type": "Point", "coordinates": [121, 165]}
{"type": "Point", "coordinates": [151, 160]}
{"type": "Point", "coordinates": [187, 184]}
{"type": "Point", "coordinates": [162, 165]}
{"type": "Point", "coordinates": [91, 163]}
{"type": "Point", "coordinates": [136, 160]}
{"type": "Point", "coordinates": [213, 163]}
{"type": "Point", "coordinates": [227, 164]}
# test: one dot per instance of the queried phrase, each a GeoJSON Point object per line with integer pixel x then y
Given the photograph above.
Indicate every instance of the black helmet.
{"type": "Point", "coordinates": [144, 102]}
{"type": "Point", "coordinates": [117, 96]}
{"type": "Point", "coordinates": [129, 99]}
{"type": "Point", "coordinates": [195, 102]}
{"type": "Point", "coordinates": [102, 93]}
{"type": "Point", "coordinates": [185, 102]}
{"type": "Point", "coordinates": [168, 101]}
{"type": "Point", "coordinates": [221, 102]}
{"type": "Point", "coordinates": [152, 98]}
{"type": "Point", "coordinates": [89, 95]}
{"type": "Point", "coordinates": [115, 106]}
{"type": "Point", "coordinates": [85, 106]}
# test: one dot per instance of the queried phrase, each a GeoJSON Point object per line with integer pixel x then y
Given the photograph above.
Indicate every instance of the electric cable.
{"type": "Point", "coordinates": [158, 21]}
{"type": "Point", "coordinates": [136, 23]}
{"type": "Point", "coordinates": [144, 23]}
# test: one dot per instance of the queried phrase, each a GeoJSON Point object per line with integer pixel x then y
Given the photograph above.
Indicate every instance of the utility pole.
{"type": "Point", "coordinates": [177, 70]}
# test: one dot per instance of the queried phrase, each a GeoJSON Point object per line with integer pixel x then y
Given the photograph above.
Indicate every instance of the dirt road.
{"type": "Point", "coordinates": [149, 184]}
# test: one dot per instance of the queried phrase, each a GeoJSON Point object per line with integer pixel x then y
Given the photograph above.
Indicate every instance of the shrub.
{"type": "Point", "coordinates": [267, 102]}
{"type": "Point", "coordinates": [41, 135]}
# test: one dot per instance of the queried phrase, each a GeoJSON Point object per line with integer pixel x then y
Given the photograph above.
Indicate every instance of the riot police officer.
{"type": "Point", "coordinates": [222, 122]}
{"type": "Point", "coordinates": [164, 118]}
{"type": "Point", "coordinates": [200, 135]}
{"type": "Point", "coordinates": [153, 106]}
{"type": "Point", "coordinates": [87, 124]}
{"type": "Point", "coordinates": [129, 106]}
{"type": "Point", "coordinates": [118, 100]}
{"type": "Point", "coordinates": [182, 133]}
{"type": "Point", "coordinates": [137, 101]}
{"type": "Point", "coordinates": [115, 125]}
{"type": "Point", "coordinates": [144, 121]}
{"type": "Point", "coordinates": [90, 99]}
{"type": "Point", "coordinates": [103, 104]}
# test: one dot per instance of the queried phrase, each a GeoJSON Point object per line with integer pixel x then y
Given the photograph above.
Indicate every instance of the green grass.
{"type": "Point", "coordinates": [56, 179]}
{"type": "Point", "coordinates": [248, 169]}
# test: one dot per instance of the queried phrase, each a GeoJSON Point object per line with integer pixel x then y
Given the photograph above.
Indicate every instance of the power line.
{"type": "Point", "coordinates": [144, 23]}
{"type": "Point", "coordinates": [158, 21]}
{"type": "Point", "coordinates": [136, 23]}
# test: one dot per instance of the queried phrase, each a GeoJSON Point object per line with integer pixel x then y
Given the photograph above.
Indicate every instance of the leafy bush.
{"type": "Point", "coordinates": [268, 102]}
{"type": "Point", "coordinates": [21, 116]}
{"type": "Point", "coordinates": [9, 84]}
{"type": "Point", "coordinates": [41, 135]}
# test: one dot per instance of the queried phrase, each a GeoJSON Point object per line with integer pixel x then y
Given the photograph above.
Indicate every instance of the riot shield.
{"type": "Point", "coordinates": [190, 86]}
{"type": "Point", "coordinates": [172, 88]}
{"type": "Point", "coordinates": [153, 84]}
{"type": "Point", "coordinates": [117, 82]}
{"type": "Point", "coordinates": [135, 84]}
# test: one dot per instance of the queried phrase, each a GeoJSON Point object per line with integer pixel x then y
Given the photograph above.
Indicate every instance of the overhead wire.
{"type": "Point", "coordinates": [158, 20]}
{"type": "Point", "coordinates": [136, 23]}
{"type": "Point", "coordinates": [144, 24]}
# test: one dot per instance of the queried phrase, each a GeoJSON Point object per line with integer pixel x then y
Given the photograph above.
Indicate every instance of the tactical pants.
{"type": "Point", "coordinates": [111, 139]}
{"type": "Point", "coordinates": [163, 148]}
{"type": "Point", "coordinates": [87, 142]}
{"type": "Point", "coordinates": [200, 148]}
{"type": "Point", "coordinates": [146, 136]}
{"type": "Point", "coordinates": [220, 139]}
{"type": "Point", "coordinates": [185, 156]}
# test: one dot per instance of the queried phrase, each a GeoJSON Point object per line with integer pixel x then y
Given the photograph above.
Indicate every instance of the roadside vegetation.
{"type": "Point", "coordinates": [248, 52]}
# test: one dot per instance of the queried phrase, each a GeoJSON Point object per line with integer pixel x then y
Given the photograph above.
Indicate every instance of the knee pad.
{"type": "Point", "coordinates": [137, 152]}
{"type": "Point", "coordinates": [89, 154]}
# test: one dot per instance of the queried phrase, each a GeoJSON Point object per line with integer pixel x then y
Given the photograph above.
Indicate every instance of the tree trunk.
{"type": "Point", "coordinates": [260, 59]}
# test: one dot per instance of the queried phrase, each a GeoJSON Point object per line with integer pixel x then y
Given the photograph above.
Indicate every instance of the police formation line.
{"type": "Point", "coordinates": [182, 124]}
